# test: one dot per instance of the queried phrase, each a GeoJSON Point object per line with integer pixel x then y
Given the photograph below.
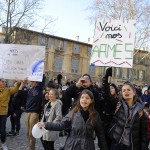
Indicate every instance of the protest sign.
{"type": "Point", "coordinates": [113, 43]}
{"type": "Point", "coordinates": [21, 61]}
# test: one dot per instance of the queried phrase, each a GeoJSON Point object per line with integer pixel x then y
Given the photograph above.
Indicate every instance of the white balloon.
{"type": "Point", "coordinates": [37, 132]}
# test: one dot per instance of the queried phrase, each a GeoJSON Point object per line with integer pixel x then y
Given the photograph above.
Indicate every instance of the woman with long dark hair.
{"type": "Point", "coordinates": [128, 130]}
{"type": "Point", "coordinates": [83, 121]}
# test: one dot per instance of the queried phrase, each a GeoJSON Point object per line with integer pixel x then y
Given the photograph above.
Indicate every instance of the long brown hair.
{"type": "Point", "coordinates": [91, 109]}
{"type": "Point", "coordinates": [132, 87]}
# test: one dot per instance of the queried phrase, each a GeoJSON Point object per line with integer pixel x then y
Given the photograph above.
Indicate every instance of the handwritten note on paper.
{"type": "Point", "coordinates": [113, 43]}
{"type": "Point", "coordinates": [21, 61]}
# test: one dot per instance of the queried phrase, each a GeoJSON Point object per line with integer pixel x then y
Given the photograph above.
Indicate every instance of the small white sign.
{"type": "Point", "coordinates": [113, 43]}
{"type": "Point", "coordinates": [21, 61]}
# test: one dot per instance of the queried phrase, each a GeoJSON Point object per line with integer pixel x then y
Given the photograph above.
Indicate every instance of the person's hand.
{"type": "Point", "coordinates": [47, 96]}
{"type": "Point", "coordinates": [108, 72]}
{"type": "Point", "coordinates": [41, 125]}
{"type": "Point", "coordinates": [25, 81]}
{"type": "Point", "coordinates": [80, 82]}
{"type": "Point", "coordinates": [14, 115]}
{"type": "Point", "coordinates": [22, 108]}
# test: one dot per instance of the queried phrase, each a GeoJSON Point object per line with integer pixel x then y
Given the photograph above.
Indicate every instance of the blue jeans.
{"type": "Point", "coordinates": [3, 119]}
{"type": "Point", "coordinates": [115, 146]}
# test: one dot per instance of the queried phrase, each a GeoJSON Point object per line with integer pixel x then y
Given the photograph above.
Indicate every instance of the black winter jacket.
{"type": "Point", "coordinates": [74, 92]}
{"type": "Point", "coordinates": [138, 126]}
{"type": "Point", "coordinates": [108, 104]}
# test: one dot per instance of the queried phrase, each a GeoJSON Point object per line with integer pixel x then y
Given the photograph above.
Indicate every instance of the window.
{"type": "Point", "coordinates": [141, 75]}
{"type": "Point", "coordinates": [89, 51]}
{"type": "Point", "coordinates": [76, 48]}
{"type": "Point", "coordinates": [117, 72]}
{"type": "Point", "coordinates": [58, 63]}
{"type": "Point", "coordinates": [91, 70]}
{"type": "Point", "coordinates": [60, 45]}
{"type": "Point", "coordinates": [74, 66]}
{"type": "Point", "coordinates": [46, 56]}
{"type": "Point", "coordinates": [27, 37]}
{"type": "Point", "coordinates": [45, 41]}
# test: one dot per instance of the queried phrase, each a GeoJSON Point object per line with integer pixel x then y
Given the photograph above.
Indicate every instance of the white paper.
{"type": "Point", "coordinates": [113, 43]}
{"type": "Point", "coordinates": [21, 61]}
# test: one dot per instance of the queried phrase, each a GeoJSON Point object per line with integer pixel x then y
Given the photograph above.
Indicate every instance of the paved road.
{"type": "Point", "coordinates": [20, 142]}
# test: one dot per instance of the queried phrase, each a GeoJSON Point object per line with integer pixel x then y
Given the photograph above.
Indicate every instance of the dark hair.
{"type": "Point", "coordinates": [50, 85]}
{"type": "Point", "coordinates": [115, 87]}
{"type": "Point", "coordinates": [88, 77]}
{"type": "Point", "coordinates": [147, 109]}
{"type": "Point", "coordinates": [91, 109]}
{"type": "Point", "coordinates": [132, 87]}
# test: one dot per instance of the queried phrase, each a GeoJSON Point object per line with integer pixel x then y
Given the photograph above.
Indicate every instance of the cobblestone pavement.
{"type": "Point", "coordinates": [20, 142]}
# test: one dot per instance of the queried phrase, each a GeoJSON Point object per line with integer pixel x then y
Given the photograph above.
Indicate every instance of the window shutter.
{"type": "Point", "coordinates": [76, 48]}
{"type": "Point", "coordinates": [58, 63]}
{"type": "Point", "coordinates": [74, 66]}
{"type": "Point", "coordinates": [49, 43]}
{"type": "Point", "coordinates": [138, 74]}
{"type": "Point", "coordinates": [56, 44]}
{"type": "Point", "coordinates": [91, 70]}
{"type": "Point", "coordinates": [89, 51]}
{"type": "Point", "coordinates": [39, 39]}
{"type": "Point", "coordinates": [65, 45]}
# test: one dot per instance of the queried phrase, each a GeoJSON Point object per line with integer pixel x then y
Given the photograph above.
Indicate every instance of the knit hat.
{"type": "Point", "coordinates": [115, 87]}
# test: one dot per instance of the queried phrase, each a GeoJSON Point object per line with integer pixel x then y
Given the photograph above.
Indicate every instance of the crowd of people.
{"type": "Point", "coordinates": [117, 116]}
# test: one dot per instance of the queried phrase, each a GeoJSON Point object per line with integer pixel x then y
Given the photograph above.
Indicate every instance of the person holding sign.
{"type": "Point", "coordinates": [33, 108]}
{"type": "Point", "coordinates": [5, 94]}
{"type": "Point", "coordinates": [128, 129]}
{"type": "Point", "coordinates": [83, 121]}
{"type": "Point", "coordinates": [108, 102]}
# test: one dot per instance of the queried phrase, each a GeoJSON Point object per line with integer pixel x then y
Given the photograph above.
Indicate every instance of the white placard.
{"type": "Point", "coordinates": [113, 43]}
{"type": "Point", "coordinates": [21, 61]}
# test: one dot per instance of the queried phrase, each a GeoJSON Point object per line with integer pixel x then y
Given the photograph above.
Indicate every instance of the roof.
{"type": "Point", "coordinates": [53, 36]}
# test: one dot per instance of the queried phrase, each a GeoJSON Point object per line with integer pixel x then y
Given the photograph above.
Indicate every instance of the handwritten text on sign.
{"type": "Point", "coordinates": [113, 43]}
{"type": "Point", "coordinates": [21, 61]}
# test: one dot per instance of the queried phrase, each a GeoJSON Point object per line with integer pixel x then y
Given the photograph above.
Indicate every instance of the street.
{"type": "Point", "coordinates": [20, 142]}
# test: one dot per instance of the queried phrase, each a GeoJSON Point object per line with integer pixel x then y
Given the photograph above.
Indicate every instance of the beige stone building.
{"type": "Point", "coordinates": [72, 58]}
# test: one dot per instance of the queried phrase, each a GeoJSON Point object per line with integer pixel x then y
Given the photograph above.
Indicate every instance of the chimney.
{"type": "Point", "coordinates": [77, 37]}
{"type": "Point", "coordinates": [89, 39]}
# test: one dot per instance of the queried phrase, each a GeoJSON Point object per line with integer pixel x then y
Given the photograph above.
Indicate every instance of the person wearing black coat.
{"type": "Point", "coordinates": [85, 82]}
{"type": "Point", "coordinates": [108, 102]}
{"type": "Point", "coordinates": [17, 107]}
{"type": "Point", "coordinates": [128, 129]}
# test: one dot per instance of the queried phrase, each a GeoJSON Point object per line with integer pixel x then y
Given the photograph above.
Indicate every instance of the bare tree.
{"type": "Point", "coordinates": [139, 10]}
{"type": "Point", "coordinates": [19, 13]}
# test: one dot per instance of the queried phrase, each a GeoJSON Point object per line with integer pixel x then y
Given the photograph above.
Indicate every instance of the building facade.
{"type": "Point", "coordinates": [72, 58]}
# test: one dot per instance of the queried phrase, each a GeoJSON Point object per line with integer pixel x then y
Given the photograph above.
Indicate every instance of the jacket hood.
{"type": "Point", "coordinates": [59, 101]}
